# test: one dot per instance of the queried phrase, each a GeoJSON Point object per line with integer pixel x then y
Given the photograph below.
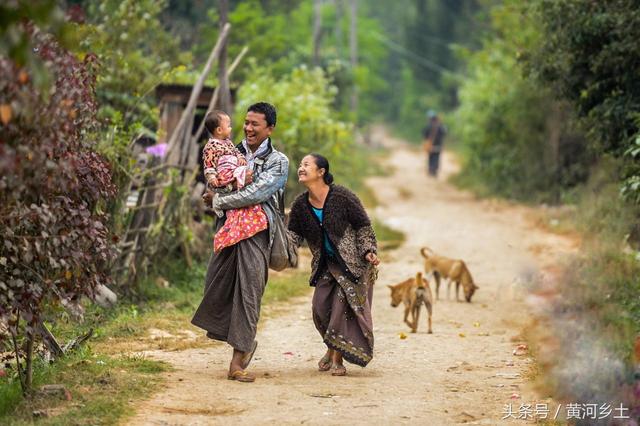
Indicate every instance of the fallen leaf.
{"type": "Point", "coordinates": [462, 335]}
{"type": "Point", "coordinates": [521, 350]}
{"type": "Point", "coordinates": [23, 77]}
{"type": "Point", "coordinates": [402, 336]}
{"type": "Point", "coordinates": [5, 113]}
{"type": "Point", "coordinates": [476, 324]}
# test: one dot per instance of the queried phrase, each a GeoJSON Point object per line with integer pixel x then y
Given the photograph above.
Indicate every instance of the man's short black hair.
{"type": "Point", "coordinates": [267, 109]}
{"type": "Point", "coordinates": [213, 120]}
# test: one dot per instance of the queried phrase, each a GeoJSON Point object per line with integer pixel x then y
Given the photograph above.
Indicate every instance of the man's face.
{"type": "Point", "coordinates": [256, 129]}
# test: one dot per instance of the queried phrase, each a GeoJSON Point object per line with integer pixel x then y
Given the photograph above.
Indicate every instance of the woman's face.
{"type": "Point", "coordinates": [308, 171]}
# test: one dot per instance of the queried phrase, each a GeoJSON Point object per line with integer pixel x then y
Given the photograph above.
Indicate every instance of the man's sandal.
{"type": "Point", "coordinates": [338, 370]}
{"type": "Point", "coordinates": [246, 359]}
{"type": "Point", "coordinates": [325, 363]}
{"type": "Point", "coordinates": [241, 376]}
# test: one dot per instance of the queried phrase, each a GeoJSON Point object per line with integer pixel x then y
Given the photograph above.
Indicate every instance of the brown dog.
{"type": "Point", "coordinates": [413, 293]}
{"type": "Point", "coordinates": [454, 270]}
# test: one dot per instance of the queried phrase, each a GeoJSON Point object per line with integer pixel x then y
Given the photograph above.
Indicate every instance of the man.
{"type": "Point", "coordinates": [434, 137]}
{"type": "Point", "coordinates": [237, 275]}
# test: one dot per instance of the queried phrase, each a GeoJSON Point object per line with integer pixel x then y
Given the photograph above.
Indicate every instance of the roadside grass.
{"type": "Point", "coordinates": [99, 390]}
{"type": "Point", "coordinates": [108, 373]}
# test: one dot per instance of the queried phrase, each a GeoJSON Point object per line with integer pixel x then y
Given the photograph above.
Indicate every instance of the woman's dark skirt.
{"type": "Point", "coordinates": [342, 314]}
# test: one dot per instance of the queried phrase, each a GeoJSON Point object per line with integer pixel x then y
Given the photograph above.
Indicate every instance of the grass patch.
{"type": "Point", "coordinates": [599, 294]}
{"type": "Point", "coordinates": [100, 388]}
{"type": "Point", "coordinates": [388, 238]}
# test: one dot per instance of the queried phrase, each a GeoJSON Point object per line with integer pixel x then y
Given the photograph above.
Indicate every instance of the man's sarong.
{"type": "Point", "coordinates": [342, 315]}
{"type": "Point", "coordinates": [234, 284]}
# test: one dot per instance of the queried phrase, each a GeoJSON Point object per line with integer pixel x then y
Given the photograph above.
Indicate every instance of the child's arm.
{"type": "Point", "coordinates": [210, 160]}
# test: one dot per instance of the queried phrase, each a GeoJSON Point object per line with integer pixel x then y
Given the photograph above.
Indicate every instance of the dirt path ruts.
{"type": "Point", "coordinates": [459, 374]}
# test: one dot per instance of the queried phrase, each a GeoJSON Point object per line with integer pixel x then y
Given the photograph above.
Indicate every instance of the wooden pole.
{"type": "Point", "coordinates": [216, 92]}
{"type": "Point", "coordinates": [223, 77]}
{"type": "Point", "coordinates": [191, 104]}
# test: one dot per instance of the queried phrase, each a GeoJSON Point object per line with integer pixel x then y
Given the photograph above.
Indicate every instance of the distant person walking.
{"type": "Point", "coordinates": [433, 135]}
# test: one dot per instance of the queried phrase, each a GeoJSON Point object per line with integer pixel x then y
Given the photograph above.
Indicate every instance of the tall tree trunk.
{"type": "Point", "coordinates": [223, 79]}
{"type": "Point", "coordinates": [353, 48]}
{"type": "Point", "coordinates": [339, 5]}
{"type": "Point", "coordinates": [317, 31]}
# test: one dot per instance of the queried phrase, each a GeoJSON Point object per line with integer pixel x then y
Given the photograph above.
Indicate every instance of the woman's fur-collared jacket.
{"type": "Point", "coordinates": [347, 225]}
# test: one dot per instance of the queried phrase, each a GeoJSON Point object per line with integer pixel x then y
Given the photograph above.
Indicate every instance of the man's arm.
{"type": "Point", "coordinates": [263, 187]}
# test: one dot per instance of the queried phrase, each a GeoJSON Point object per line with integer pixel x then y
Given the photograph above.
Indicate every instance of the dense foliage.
{"type": "Point", "coordinates": [591, 58]}
{"type": "Point", "coordinates": [56, 246]}
{"type": "Point", "coordinates": [517, 139]}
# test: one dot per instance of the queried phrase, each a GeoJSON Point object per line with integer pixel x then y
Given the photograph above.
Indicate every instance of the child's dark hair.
{"type": "Point", "coordinates": [267, 109]}
{"type": "Point", "coordinates": [213, 120]}
{"type": "Point", "coordinates": [323, 163]}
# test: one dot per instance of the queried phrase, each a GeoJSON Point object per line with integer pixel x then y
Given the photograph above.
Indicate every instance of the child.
{"type": "Point", "coordinates": [224, 164]}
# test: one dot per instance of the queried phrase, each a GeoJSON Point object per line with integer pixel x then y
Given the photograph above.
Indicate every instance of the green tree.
{"type": "Point", "coordinates": [136, 53]}
{"type": "Point", "coordinates": [590, 57]}
{"type": "Point", "coordinates": [517, 140]}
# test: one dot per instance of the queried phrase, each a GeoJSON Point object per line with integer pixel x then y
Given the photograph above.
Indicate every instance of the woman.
{"type": "Point", "coordinates": [339, 233]}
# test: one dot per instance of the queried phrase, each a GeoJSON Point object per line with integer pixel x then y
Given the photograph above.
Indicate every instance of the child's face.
{"type": "Point", "coordinates": [224, 129]}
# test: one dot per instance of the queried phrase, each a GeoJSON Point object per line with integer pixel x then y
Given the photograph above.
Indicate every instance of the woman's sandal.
{"type": "Point", "coordinates": [249, 355]}
{"type": "Point", "coordinates": [241, 376]}
{"type": "Point", "coordinates": [338, 370]}
{"type": "Point", "coordinates": [325, 363]}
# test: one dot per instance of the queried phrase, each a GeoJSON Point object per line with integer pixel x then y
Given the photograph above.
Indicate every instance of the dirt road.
{"type": "Point", "coordinates": [463, 373]}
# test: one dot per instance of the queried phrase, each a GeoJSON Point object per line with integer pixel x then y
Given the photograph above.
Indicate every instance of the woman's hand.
{"type": "Point", "coordinates": [372, 258]}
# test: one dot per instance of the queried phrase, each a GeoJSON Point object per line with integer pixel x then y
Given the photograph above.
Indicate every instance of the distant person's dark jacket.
{"type": "Point", "coordinates": [436, 135]}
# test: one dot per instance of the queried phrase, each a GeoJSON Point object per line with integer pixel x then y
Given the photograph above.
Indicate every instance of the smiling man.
{"type": "Point", "coordinates": [237, 275]}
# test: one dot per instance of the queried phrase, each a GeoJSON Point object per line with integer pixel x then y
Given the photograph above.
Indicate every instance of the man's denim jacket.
{"type": "Point", "coordinates": [270, 173]}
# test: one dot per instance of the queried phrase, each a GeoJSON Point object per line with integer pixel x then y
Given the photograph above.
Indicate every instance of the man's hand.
{"type": "Point", "coordinates": [207, 197]}
{"type": "Point", "coordinates": [372, 258]}
{"type": "Point", "coordinates": [249, 178]}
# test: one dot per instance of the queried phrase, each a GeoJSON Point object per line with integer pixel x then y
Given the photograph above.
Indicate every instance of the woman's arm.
{"type": "Point", "coordinates": [365, 235]}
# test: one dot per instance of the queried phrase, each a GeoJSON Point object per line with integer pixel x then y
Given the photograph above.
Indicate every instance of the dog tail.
{"type": "Point", "coordinates": [426, 252]}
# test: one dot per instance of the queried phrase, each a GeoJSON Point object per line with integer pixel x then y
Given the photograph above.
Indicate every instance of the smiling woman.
{"type": "Point", "coordinates": [339, 233]}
